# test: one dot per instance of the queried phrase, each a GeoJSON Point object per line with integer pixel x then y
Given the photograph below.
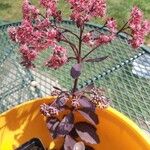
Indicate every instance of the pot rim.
{"type": "Point", "coordinates": [125, 121]}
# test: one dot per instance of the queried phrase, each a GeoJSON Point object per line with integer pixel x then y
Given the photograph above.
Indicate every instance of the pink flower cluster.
{"type": "Point", "coordinates": [58, 59]}
{"type": "Point", "coordinates": [48, 110]}
{"type": "Point", "coordinates": [139, 27]}
{"type": "Point", "coordinates": [51, 9]}
{"type": "Point", "coordinates": [111, 24]}
{"type": "Point", "coordinates": [29, 11]}
{"type": "Point", "coordinates": [84, 10]}
{"type": "Point", "coordinates": [102, 38]}
{"type": "Point", "coordinates": [33, 38]}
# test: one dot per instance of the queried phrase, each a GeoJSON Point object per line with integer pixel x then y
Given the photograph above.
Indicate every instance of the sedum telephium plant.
{"type": "Point", "coordinates": [37, 33]}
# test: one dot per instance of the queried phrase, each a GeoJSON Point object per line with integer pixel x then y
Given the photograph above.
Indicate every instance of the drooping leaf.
{"type": "Point", "coordinates": [60, 101]}
{"type": "Point", "coordinates": [76, 71]}
{"type": "Point", "coordinates": [89, 115]}
{"type": "Point", "coordinates": [84, 90]}
{"type": "Point", "coordinates": [69, 143]}
{"type": "Point", "coordinates": [53, 128]}
{"type": "Point", "coordinates": [66, 125]}
{"type": "Point", "coordinates": [99, 59]}
{"type": "Point", "coordinates": [86, 103]}
{"type": "Point", "coordinates": [87, 132]}
{"type": "Point", "coordinates": [50, 122]}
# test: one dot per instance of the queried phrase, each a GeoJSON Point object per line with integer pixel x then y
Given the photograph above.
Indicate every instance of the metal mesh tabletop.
{"type": "Point", "coordinates": [125, 75]}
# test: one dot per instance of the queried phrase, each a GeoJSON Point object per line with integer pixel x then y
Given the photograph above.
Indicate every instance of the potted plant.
{"type": "Point", "coordinates": [75, 119]}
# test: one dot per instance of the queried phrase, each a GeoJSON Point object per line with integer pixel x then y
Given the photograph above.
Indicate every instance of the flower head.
{"type": "Point", "coordinates": [29, 11]}
{"type": "Point", "coordinates": [48, 110]}
{"type": "Point", "coordinates": [136, 17]}
{"type": "Point", "coordinates": [12, 33]}
{"type": "Point", "coordinates": [139, 27]}
{"type": "Point", "coordinates": [84, 10]}
{"type": "Point", "coordinates": [58, 59]}
{"type": "Point", "coordinates": [111, 25]}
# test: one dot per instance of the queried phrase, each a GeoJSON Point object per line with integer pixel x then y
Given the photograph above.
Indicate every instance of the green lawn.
{"type": "Point", "coordinates": [11, 9]}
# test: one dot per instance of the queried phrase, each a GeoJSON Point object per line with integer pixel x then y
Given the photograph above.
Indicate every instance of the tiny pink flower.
{"type": "Point", "coordinates": [137, 41]}
{"type": "Point", "coordinates": [28, 54]}
{"type": "Point", "coordinates": [104, 39]}
{"type": "Point", "coordinates": [52, 34]}
{"type": "Point", "coordinates": [42, 24]}
{"type": "Point", "coordinates": [84, 10]}
{"type": "Point", "coordinates": [29, 11]}
{"type": "Point", "coordinates": [146, 27]}
{"type": "Point", "coordinates": [111, 25]}
{"type": "Point", "coordinates": [139, 27]}
{"type": "Point", "coordinates": [58, 59]}
{"type": "Point", "coordinates": [87, 37]}
{"type": "Point", "coordinates": [12, 33]}
{"type": "Point", "coordinates": [136, 18]}
{"type": "Point", "coordinates": [49, 111]}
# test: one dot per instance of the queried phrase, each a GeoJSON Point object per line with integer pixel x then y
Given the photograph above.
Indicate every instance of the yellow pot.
{"type": "Point", "coordinates": [25, 121]}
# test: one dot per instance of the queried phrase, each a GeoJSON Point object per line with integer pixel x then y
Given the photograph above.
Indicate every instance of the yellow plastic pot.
{"type": "Point", "coordinates": [25, 121]}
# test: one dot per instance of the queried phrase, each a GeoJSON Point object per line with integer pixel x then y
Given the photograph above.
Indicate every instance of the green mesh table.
{"type": "Point", "coordinates": [125, 75]}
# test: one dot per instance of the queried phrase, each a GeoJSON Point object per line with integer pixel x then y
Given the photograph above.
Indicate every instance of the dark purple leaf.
{"type": "Point", "coordinates": [50, 122]}
{"type": "Point", "coordinates": [86, 103]}
{"type": "Point", "coordinates": [87, 147]}
{"type": "Point", "coordinates": [89, 115]}
{"type": "Point", "coordinates": [96, 59]}
{"type": "Point", "coordinates": [52, 125]}
{"type": "Point", "coordinates": [61, 100]}
{"type": "Point", "coordinates": [83, 90]}
{"type": "Point", "coordinates": [87, 132]}
{"type": "Point", "coordinates": [69, 143]}
{"type": "Point", "coordinates": [76, 71]}
{"type": "Point", "coordinates": [73, 133]}
{"type": "Point", "coordinates": [66, 125]}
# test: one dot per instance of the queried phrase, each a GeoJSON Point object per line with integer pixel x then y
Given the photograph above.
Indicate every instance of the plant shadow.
{"type": "Point", "coordinates": [22, 124]}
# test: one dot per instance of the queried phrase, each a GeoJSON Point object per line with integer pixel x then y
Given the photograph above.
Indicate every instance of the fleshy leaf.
{"type": "Point", "coordinates": [87, 132]}
{"type": "Point", "coordinates": [61, 100]}
{"type": "Point", "coordinates": [96, 59]}
{"type": "Point", "coordinates": [53, 129]}
{"type": "Point", "coordinates": [89, 115]}
{"type": "Point", "coordinates": [50, 122]}
{"type": "Point", "coordinates": [86, 103]}
{"type": "Point", "coordinates": [66, 125]}
{"type": "Point", "coordinates": [76, 71]}
{"type": "Point", "coordinates": [73, 133]}
{"type": "Point", "coordinates": [69, 143]}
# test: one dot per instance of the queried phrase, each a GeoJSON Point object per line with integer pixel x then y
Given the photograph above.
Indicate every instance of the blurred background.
{"type": "Point", "coordinates": [10, 10]}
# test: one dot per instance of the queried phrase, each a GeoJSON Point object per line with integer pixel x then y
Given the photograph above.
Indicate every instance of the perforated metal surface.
{"type": "Point", "coordinates": [129, 91]}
